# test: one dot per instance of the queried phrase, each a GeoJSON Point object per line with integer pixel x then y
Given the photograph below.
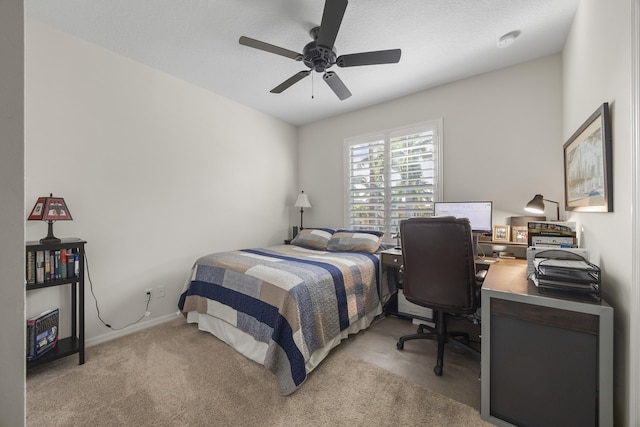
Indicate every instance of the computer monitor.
{"type": "Point", "coordinates": [479, 213]}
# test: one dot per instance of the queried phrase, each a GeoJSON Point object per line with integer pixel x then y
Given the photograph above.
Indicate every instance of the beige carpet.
{"type": "Point", "coordinates": [176, 375]}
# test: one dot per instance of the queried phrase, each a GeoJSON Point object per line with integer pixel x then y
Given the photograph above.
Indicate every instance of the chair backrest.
{"type": "Point", "coordinates": [439, 268]}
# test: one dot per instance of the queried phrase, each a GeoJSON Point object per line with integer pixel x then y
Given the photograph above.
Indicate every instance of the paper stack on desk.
{"type": "Point", "coordinates": [566, 273]}
{"type": "Point", "coordinates": [542, 252]}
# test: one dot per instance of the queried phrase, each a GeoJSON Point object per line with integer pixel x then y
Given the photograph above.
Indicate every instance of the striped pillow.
{"type": "Point", "coordinates": [355, 241]}
{"type": "Point", "coordinates": [313, 238]}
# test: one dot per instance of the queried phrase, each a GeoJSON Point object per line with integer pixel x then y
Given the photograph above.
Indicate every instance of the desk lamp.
{"type": "Point", "coordinates": [536, 205]}
{"type": "Point", "coordinates": [50, 209]}
{"type": "Point", "coordinates": [302, 202]}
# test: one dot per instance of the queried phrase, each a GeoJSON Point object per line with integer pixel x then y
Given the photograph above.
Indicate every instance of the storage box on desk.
{"type": "Point", "coordinates": [568, 275]}
{"type": "Point", "coordinates": [412, 309]}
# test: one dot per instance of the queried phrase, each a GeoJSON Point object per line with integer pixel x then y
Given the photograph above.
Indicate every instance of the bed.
{"type": "Point", "coordinates": [287, 306]}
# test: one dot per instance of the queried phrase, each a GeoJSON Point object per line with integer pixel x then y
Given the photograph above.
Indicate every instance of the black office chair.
{"type": "Point", "coordinates": [439, 273]}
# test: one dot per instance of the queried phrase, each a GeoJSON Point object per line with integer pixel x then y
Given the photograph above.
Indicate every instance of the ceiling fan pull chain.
{"type": "Point", "coordinates": [312, 97]}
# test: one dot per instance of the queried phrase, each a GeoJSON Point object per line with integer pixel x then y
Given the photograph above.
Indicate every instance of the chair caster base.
{"type": "Point", "coordinates": [437, 370]}
{"type": "Point", "coordinates": [400, 345]}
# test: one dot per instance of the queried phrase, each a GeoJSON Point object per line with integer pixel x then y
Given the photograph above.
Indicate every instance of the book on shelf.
{"type": "Point", "coordinates": [71, 263]}
{"type": "Point", "coordinates": [39, 267]}
{"type": "Point", "coordinates": [42, 333]}
{"type": "Point", "coordinates": [47, 265]}
{"type": "Point", "coordinates": [56, 265]}
{"type": "Point", "coordinates": [31, 267]}
{"type": "Point", "coordinates": [76, 264]}
{"type": "Point", "coordinates": [63, 264]}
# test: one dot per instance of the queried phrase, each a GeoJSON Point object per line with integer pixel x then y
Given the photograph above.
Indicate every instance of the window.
{"type": "Point", "coordinates": [392, 176]}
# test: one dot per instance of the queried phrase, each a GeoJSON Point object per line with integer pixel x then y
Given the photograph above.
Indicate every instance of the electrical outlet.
{"type": "Point", "coordinates": [160, 292]}
{"type": "Point", "coordinates": [148, 294]}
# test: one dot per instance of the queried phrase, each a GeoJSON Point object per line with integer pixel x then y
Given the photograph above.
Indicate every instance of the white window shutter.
{"type": "Point", "coordinates": [393, 176]}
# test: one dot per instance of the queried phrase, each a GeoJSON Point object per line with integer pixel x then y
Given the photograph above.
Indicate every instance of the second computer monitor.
{"type": "Point", "coordinates": [479, 213]}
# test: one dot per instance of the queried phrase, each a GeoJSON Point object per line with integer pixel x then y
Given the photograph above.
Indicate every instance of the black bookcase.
{"type": "Point", "coordinates": [74, 343]}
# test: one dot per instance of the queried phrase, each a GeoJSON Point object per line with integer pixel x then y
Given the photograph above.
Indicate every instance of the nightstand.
{"type": "Point", "coordinates": [391, 258]}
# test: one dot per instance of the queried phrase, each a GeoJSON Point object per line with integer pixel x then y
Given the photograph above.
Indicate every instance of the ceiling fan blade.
{"type": "Point", "coordinates": [257, 44]}
{"type": "Point", "coordinates": [331, 20]}
{"type": "Point", "coordinates": [336, 85]}
{"type": "Point", "coordinates": [369, 58]}
{"type": "Point", "coordinates": [290, 81]}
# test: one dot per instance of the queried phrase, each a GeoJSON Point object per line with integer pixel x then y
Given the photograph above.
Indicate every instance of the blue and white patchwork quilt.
{"type": "Point", "coordinates": [296, 300]}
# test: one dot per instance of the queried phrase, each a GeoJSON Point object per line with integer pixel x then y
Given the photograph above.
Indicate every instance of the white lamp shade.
{"type": "Point", "coordinates": [302, 201]}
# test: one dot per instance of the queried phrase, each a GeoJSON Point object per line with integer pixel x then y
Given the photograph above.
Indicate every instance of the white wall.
{"type": "Point", "coordinates": [12, 333]}
{"type": "Point", "coordinates": [597, 69]}
{"type": "Point", "coordinates": [155, 172]}
{"type": "Point", "coordinates": [502, 140]}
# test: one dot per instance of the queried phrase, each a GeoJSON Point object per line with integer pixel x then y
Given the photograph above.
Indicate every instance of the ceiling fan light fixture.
{"type": "Point", "coordinates": [508, 39]}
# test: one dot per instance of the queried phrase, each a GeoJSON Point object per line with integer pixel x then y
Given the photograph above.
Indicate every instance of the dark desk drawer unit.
{"type": "Point", "coordinates": [546, 361]}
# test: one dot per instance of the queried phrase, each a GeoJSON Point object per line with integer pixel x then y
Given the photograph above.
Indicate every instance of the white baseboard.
{"type": "Point", "coordinates": [131, 329]}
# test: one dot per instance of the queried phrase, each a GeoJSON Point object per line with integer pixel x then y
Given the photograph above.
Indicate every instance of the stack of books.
{"type": "Point", "coordinates": [554, 234]}
{"type": "Point", "coordinates": [51, 265]}
{"type": "Point", "coordinates": [567, 274]}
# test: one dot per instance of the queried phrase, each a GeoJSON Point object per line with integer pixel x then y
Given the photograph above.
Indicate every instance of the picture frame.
{"type": "Point", "coordinates": [588, 184]}
{"type": "Point", "coordinates": [501, 233]}
{"type": "Point", "coordinates": [519, 233]}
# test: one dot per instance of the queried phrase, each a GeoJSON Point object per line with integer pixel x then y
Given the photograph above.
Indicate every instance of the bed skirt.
{"type": "Point", "coordinates": [255, 350]}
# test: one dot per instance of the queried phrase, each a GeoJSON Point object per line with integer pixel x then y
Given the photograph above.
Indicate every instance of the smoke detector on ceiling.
{"type": "Point", "coordinates": [508, 39]}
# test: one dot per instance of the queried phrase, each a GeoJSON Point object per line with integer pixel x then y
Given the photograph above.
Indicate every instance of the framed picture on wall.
{"type": "Point", "coordinates": [588, 184]}
{"type": "Point", "coordinates": [501, 233]}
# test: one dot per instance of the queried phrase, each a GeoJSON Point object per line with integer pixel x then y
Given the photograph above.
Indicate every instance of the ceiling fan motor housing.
{"type": "Point", "coordinates": [318, 58]}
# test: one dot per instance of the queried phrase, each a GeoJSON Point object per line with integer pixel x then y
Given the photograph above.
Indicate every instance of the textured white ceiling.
{"type": "Point", "coordinates": [197, 41]}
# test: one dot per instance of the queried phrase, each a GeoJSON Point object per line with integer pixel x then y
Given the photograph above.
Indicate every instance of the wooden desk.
{"type": "Point", "coordinates": [545, 360]}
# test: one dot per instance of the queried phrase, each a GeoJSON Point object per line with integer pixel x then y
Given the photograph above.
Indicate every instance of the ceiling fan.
{"type": "Point", "coordinates": [320, 54]}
